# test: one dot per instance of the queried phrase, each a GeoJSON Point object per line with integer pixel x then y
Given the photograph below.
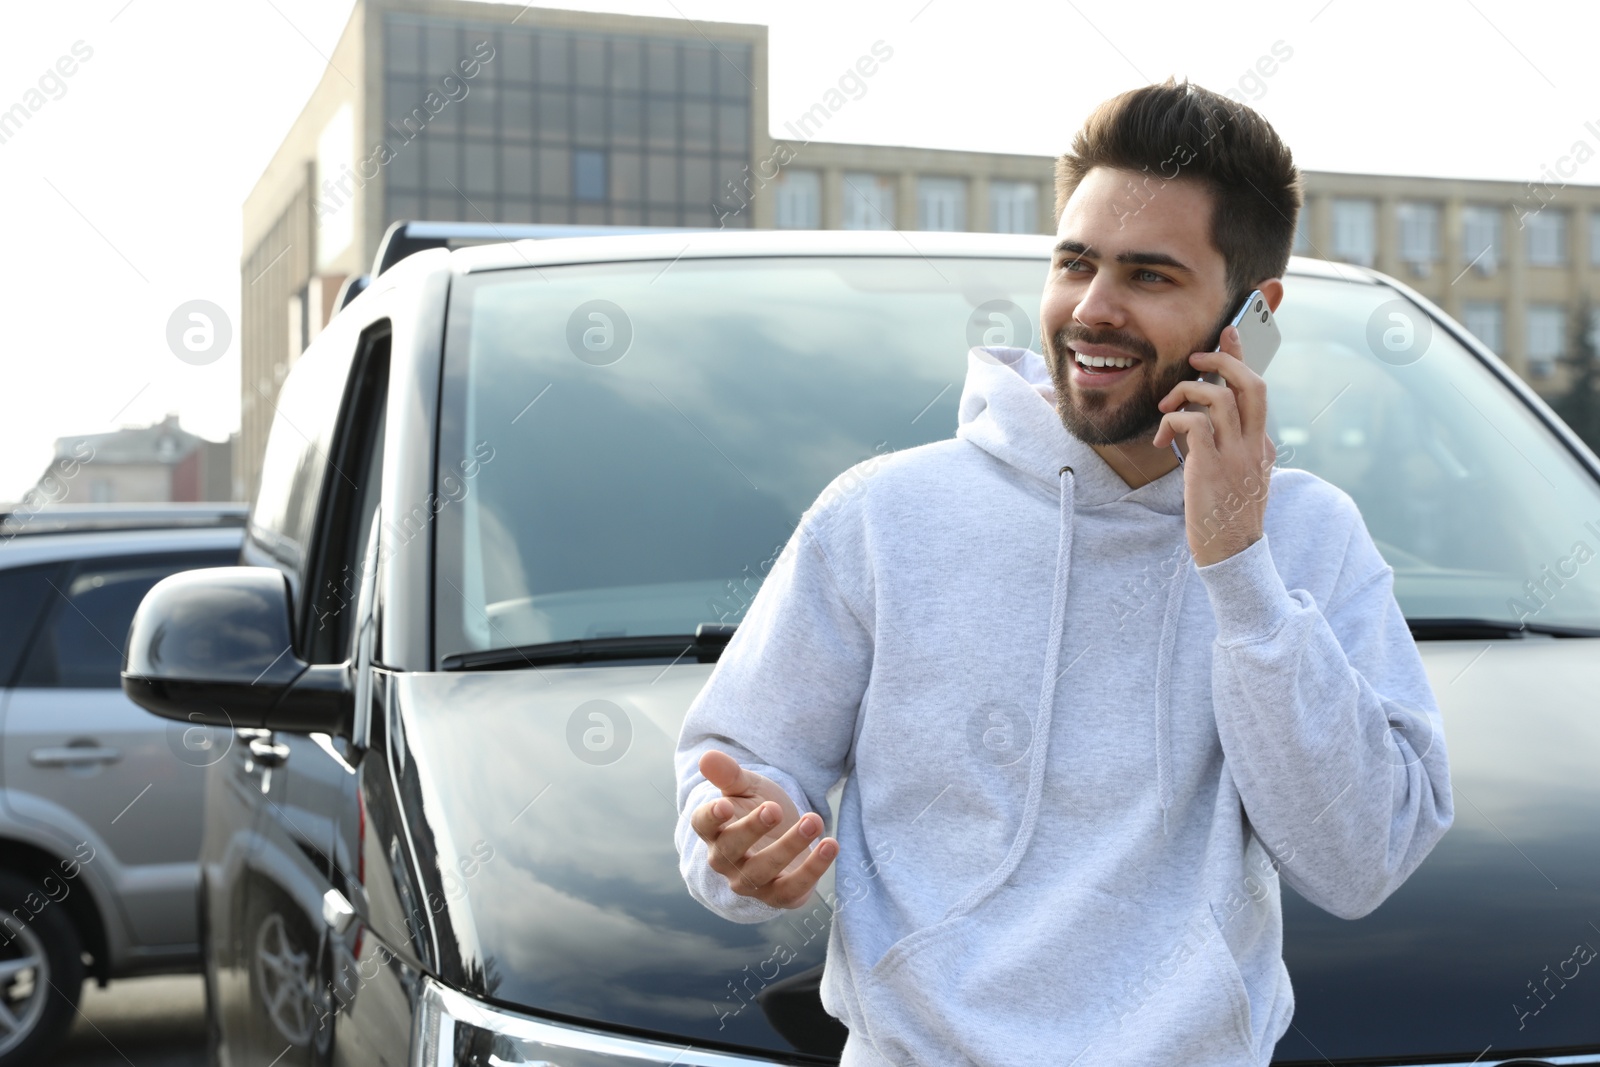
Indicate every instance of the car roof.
{"type": "Point", "coordinates": [722, 244]}
{"type": "Point", "coordinates": [79, 531]}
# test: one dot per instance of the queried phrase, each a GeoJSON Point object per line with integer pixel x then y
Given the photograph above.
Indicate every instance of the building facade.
{"type": "Point", "coordinates": [159, 463]}
{"type": "Point", "coordinates": [478, 112]}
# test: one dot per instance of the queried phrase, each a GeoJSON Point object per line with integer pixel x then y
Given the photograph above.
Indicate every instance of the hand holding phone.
{"type": "Point", "coordinates": [1258, 341]}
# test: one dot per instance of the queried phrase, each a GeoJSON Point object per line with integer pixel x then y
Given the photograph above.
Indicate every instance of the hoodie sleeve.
{"type": "Point", "coordinates": [1329, 723]}
{"type": "Point", "coordinates": [782, 701]}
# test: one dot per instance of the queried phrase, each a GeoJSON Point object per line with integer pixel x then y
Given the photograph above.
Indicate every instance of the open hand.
{"type": "Point", "coordinates": [757, 838]}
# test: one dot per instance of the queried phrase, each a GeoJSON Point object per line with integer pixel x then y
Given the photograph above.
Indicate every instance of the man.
{"type": "Point", "coordinates": [1088, 703]}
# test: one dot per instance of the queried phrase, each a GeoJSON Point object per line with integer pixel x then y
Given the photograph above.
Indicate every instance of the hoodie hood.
{"type": "Point", "coordinates": [1008, 409]}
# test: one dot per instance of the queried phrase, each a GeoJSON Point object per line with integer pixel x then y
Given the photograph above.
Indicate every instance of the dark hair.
{"type": "Point", "coordinates": [1175, 131]}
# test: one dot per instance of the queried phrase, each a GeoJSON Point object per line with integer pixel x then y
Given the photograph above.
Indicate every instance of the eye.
{"type": "Point", "coordinates": [1149, 276]}
{"type": "Point", "coordinates": [1072, 265]}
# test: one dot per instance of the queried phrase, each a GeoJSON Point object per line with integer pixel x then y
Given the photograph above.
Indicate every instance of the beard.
{"type": "Point", "coordinates": [1093, 417]}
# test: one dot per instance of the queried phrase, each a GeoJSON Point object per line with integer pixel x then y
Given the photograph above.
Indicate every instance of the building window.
{"type": "Point", "coordinates": [1480, 238]}
{"type": "Point", "coordinates": [1487, 322]}
{"type": "Point", "coordinates": [567, 127]}
{"type": "Point", "coordinates": [868, 202]}
{"type": "Point", "coordinates": [799, 200]}
{"type": "Point", "coordinates": [1419, 234]}
{"type": "Point", "coordinates": [941, 203]}
{"type": "Point", "coordinates": [1547, 334]}
{"type": "Point", "coordinates": [1014, 207]}
{"type": "Point", "coordinates": [1355, 231]}
{"type": "Point", "coordinates": [1302, 230]}
{"type": "Point", "coordinates": [589, 175]}
{"type": "Point", "coordinates": [1547, 238]}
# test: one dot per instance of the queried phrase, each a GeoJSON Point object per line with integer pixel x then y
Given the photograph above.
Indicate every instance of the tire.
{"type": "Point", "coordinates": [207, 976]}
{"type": "Point", "coordinates": [40, 999]}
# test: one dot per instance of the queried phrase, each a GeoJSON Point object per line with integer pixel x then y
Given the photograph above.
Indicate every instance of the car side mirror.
{"type": "Point", "coordinates": [213, 647]}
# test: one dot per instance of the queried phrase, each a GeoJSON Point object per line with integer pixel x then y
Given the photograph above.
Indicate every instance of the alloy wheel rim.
{"type": "Point", "coordinates": [24, 985]}
{"type": "Point", "coordinates": [283, 974]}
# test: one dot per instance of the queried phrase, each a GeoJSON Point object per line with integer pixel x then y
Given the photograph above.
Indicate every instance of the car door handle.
{"type": "Point", "coordinates": [267, 753]}
{"type": "Point", "coordinates": [66, 755]}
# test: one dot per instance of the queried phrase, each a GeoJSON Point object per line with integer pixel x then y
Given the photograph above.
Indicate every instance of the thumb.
{"type": "Point", "coordinates": [724, 772]}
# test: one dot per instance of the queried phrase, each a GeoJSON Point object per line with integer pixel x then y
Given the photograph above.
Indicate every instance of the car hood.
{"type": "Point", "coordinates": [547, 805]}
{"type": "Point", "coordinates": [547, 798]}
{"type": "Point", "coordinates": [1461, 956]}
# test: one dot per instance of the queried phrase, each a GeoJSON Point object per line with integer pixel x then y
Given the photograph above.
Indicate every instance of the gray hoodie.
{"type": "Point", "coordinates": [1075, 765]}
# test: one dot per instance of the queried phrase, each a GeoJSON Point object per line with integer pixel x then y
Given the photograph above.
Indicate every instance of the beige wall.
{"type": "Point", "coordinates": [905, 166]}
{"type": "Point", "coordinates": [1514, 284]}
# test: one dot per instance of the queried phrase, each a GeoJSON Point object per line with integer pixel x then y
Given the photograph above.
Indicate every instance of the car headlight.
{"type": "Point", "coordinates": [453, 1030]}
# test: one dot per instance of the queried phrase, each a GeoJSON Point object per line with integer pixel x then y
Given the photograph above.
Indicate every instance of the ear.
{"type": "Point", "coordinates": [1272, 289]}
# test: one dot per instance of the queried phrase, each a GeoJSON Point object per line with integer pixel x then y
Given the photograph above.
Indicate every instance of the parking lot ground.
{"type": "Point", "coordinates": [149, 1022]}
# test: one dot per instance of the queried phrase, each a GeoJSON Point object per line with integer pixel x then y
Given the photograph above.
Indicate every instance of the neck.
{"type": "Point", "coordinates": [1138, 462]}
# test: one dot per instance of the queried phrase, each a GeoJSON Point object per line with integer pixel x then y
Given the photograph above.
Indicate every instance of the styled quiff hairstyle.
{"type": "Point", "coordinates": [1176, 130]}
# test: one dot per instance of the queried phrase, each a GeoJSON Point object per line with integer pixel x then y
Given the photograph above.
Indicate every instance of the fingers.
{"type": "Point", "coordinates": [1249, 388]}
{"type": "Point", "coordinates": [1197, 427]}
{"type": "Point", "coordinates": [762, 866]}
{"type": "Point", "coordinates": [724, 772]}
{"type": "Point", "coordinates": [735, 838]}
{"type": "Point", "coordinates": [731, 837]}
{"type": "Point", "coordinates": [707, 820]}
{"type": "Point", "coordinates": [760, 874]}
{"type": "Point", "coordinates": [1216, 401]}
{"type": "Point", "coordinates": [792, 890]}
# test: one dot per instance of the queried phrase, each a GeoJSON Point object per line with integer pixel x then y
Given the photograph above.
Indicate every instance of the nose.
{"type": "Point", "coordinates": [1100, 305]}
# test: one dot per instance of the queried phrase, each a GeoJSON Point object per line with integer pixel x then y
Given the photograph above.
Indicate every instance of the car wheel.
{"type": "Point", "coordinates": [284, 974]}
{"type": "Point", "coordinates": [41, 972]}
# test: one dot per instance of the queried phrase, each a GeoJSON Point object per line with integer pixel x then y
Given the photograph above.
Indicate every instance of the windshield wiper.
{"type": "Point", "coordinates": [705, 645]}
{"type": "Point", "coordinates": [1489, 629]}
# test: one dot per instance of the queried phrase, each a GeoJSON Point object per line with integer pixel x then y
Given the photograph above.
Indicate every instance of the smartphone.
{"type": "Point", "coordinates": [1258, 340]}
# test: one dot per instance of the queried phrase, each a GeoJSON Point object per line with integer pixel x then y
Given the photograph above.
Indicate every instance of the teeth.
{"type": "Point", "coordinates": [1104, 361]}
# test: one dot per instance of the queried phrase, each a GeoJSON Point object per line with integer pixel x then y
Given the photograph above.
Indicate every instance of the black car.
{"type": "Point", "coordinates": [517, 497]}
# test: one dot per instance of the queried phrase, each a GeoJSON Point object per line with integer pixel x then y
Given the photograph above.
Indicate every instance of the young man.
{"type": "Point", "coordinates": [1088, 704]}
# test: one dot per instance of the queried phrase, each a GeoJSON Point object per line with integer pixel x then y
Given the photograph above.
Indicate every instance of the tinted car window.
{"type": "Point", "coordinates": [24, 592]}
{"type": "Point", "coordinates": [638, 488]}
{"type": "Point", "coordinates": [624, 466]}
{"type": "Point", "coordinates": [85, 634]}
{"type": "Point", "coordinates": [1481, 512]}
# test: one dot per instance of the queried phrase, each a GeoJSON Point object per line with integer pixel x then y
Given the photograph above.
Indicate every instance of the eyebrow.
{"type": "Point", "coordinates": [1138, 259]}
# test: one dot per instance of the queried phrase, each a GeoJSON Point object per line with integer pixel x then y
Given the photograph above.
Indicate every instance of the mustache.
{"type": "Point", "coordinates": [1073, 331]}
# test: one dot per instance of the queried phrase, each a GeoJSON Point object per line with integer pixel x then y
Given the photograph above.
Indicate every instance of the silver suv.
{"type": "Point", "coordinates": [100, 803]}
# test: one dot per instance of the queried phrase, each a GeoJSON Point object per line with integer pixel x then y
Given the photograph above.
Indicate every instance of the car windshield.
{"type": "Point", "coordinates": [625, 447]}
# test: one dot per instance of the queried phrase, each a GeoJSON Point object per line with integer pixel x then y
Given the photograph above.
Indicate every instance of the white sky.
{"type": "Point", "coordinates": [122, 197]}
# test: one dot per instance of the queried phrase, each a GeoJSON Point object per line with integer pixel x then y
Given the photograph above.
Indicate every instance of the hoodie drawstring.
{"type": "Point", "coordinates": [1169, 637]}
{"type": "Point", "coordinates": [1047, 699]}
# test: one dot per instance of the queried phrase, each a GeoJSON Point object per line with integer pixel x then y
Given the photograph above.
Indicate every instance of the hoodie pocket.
{"type": "Point", "coordinates": [1231, 980]}
{"type": "Point", "coordinates": [1033, 976]}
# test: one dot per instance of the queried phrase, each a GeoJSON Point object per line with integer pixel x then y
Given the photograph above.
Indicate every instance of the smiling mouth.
{"type": "Point", "coordinates": [1102, 368]}
{"type": "Point", "coordinates": [1104, 364]}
